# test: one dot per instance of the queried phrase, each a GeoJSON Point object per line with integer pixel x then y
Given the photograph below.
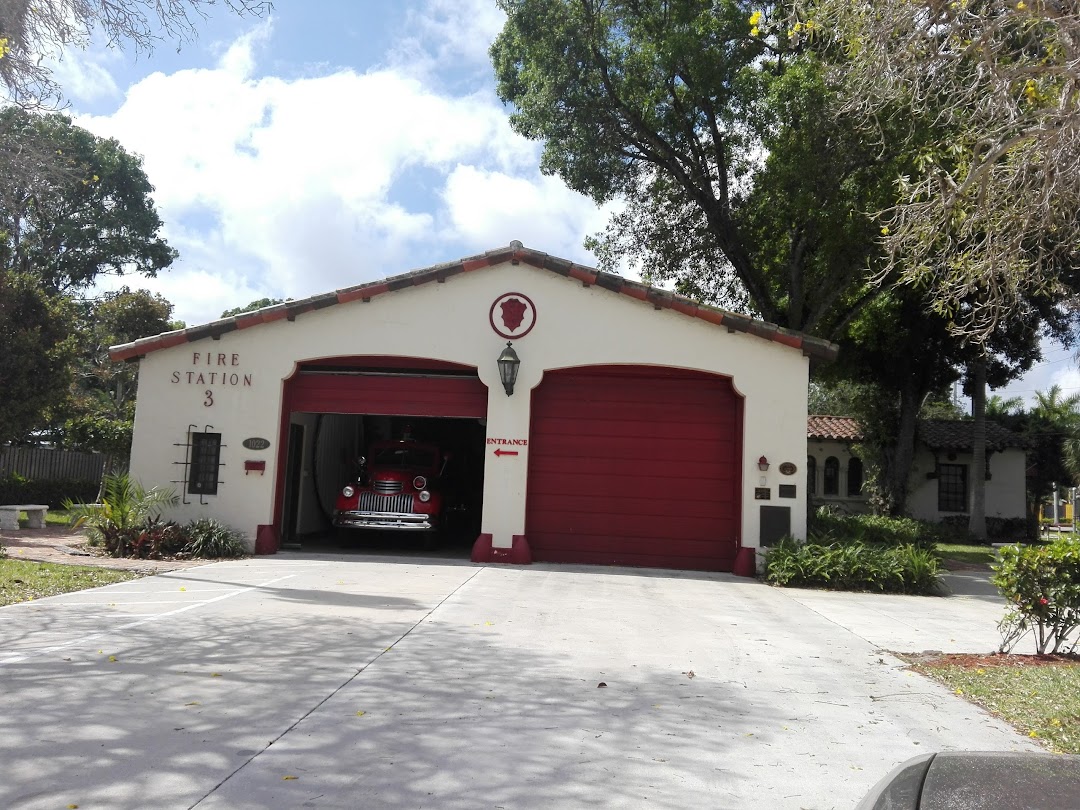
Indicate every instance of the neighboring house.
{"type": "Point", "coordinates": [941, 475]}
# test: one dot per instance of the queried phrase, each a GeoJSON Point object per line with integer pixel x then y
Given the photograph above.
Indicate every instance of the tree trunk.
{"type": "Point", "coordinates": [977, 382]}
{"type": "Point", "coordinates": [903, 456]}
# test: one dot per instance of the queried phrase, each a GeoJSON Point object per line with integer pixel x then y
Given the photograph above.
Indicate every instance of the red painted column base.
{"type": "Point", "coordinates": [266, 539]}
{"type": "Point", "coordinates": [745, 562]}
{"type": "Point", "coordinates": [519, 552]}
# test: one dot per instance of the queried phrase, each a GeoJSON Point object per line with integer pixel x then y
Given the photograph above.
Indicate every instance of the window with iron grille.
{"type": "Point", "coordinates": [952, 487]}
{"type": "Point", "coordinates": [811, 475]}
{"type": "Point", "coordinates": [854, 477]}
{"type": "Point", "coordinates": [831, 481]}
{"type": "Point", "coordinates": [205, 458]}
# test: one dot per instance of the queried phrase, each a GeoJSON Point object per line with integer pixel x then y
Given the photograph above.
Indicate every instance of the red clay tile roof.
{"type": "Point", "coordinates": [840, 428]}
{"type": "Point", "coordinates": [516, 254]}
{"type": "Point", "coordinates": [937, 434]}
{"type": "Point", "coordinates": [946, 434]}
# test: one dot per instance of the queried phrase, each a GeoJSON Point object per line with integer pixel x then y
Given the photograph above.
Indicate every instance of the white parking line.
{"type": "Point", "coordinates": [142, 602]}
{"type": "Point", "coordinates": [14, 659]}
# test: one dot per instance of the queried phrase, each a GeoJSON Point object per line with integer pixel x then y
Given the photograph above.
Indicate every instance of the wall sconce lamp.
{"type": "Point", "coordinates": [508, 368]}
{"type": "Point", "coordinates": [763, 464]}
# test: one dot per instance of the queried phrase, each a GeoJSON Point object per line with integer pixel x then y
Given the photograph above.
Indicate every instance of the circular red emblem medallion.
{"type": "Point", "coordinates": [512, 316]}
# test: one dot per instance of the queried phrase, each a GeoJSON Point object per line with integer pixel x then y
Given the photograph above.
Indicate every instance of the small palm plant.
{"type": "Point", "coordinates": [123, 512]}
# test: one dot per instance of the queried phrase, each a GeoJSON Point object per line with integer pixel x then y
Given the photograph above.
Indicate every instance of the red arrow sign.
{"type": "Point", "coordinates": [500, 452]}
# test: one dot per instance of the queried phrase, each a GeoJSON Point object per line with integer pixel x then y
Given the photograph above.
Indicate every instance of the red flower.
{"type": "Point", "coordinates": [1043, 600]}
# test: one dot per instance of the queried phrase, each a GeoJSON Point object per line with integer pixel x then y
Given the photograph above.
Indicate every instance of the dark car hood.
{"type": "Point", "coordinates": [980, 780]}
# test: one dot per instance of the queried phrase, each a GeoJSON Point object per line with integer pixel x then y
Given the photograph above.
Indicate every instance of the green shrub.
{"type": "Point", "coordinates": [15, 488]}
{"type": "Point", "coordinates": [874, 529]}
{"type": "Point", "coordinates": [210, 539]}
{"type": "Point", "coordinates": [127, 514]}
{"type": "Point", "coordinates": [1042, 583]}
{"type": "Point", "coordinates": [846, 565]}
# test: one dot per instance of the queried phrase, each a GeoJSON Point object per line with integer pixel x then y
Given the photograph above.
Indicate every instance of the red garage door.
{"type": "Point", "coordinates": [407, 392]}
{"type": "Point", "coordinates": [635, 466]}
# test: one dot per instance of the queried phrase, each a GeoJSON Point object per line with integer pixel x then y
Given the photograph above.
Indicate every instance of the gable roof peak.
{"type": "Point", "coordinates": [515, 253]}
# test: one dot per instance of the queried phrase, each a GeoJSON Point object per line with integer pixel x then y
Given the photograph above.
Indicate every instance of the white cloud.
{"type": "Point", "coordinates": [1068, 379]}
{"type": "Point", "coordinates": [86, 75]}
{"type": "Point", "coordinates": [288, 188]}
{"type": "Point", "coordinates": [491, 207]}
{"type": "Point", "coordinates": [448, 32]}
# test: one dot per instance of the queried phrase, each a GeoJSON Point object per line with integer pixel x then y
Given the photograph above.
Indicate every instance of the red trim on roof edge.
{"type": "Point", "coordinates": [661, 299]}
{"type": "Point", "coordinates": [345, 296]}
{"type": "Point", "coordinates": [711, 315]}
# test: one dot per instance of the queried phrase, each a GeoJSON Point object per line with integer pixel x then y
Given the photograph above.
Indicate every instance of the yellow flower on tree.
{"type": "Point", "coordinates": [4, 48]}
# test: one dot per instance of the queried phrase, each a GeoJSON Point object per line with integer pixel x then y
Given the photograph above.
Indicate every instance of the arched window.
{"type": "Point", "coordinates": [832, 476]}
{"type": "Point", "coordinates": [811, 475]}
{"type": "Point", "coordinates": [854, 477]}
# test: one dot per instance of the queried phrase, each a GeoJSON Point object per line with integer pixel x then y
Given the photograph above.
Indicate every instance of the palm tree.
{"type": "Point", "coordinates": [1000, 409]}
{"type": "Point", "coordinates": [124, 509]}
{"type": "Point", "coordinates": [1053, 436]}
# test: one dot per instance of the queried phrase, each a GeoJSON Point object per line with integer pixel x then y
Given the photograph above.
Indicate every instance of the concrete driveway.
{"type": "Point", "coordinates": [352, 682]}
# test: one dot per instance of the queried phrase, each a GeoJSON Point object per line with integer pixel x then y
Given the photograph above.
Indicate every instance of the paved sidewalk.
{"type": "Point", "coordinates": [334, 681]}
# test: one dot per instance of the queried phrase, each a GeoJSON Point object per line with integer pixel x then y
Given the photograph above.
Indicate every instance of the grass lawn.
{"type": "Point", "coordinates": [57, 517]}
{"type": "Point", "coordinates": [1038, 695]}
{"type": "Point", "coordinates": [22, 580]}
{"type": "Point", "coordinates": [959, 552]}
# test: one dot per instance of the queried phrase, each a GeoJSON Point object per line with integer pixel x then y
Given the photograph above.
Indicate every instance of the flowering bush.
{"type": "Point", "coordinates": [1042, 583]}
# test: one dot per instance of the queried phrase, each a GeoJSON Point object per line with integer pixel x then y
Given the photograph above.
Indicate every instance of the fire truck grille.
{"type": "Point", "coordinates": [372, 502]}
{"type": "Point", "coordinates": [387, 487]}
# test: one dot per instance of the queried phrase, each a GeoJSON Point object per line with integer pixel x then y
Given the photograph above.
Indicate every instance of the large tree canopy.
{"type": "Point", "coordinates": [736, 182]}
{"type": "Point", "coordinates": [987, 216]}
{"type": "Point", "coordinates": [37, 349]}
{"type": "Point", "coordinates": [59, 232]}
{"type": "Point", "coordinates": [95, 217]}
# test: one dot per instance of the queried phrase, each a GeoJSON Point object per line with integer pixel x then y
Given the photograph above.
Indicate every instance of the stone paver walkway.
{"type": "Point", "coordinates": [58, 544]}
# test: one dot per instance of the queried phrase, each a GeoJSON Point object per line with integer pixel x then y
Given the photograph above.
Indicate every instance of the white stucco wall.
{"type": "Point", "coordinates": [575, 326]}
{"type": "Point", "coordinates": [822, 449]}
{"type": "Point", "coordinates": [1005, 493]}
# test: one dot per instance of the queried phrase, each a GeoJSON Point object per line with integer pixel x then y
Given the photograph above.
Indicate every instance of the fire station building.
{"type": "Point", "coordinates": [585, 417]}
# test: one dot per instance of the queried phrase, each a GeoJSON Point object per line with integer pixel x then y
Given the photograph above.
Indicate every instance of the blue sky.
{"type": "Point", "coordinates": [337, 142]}
{"type": "Point", "coordinates": [329, 144]}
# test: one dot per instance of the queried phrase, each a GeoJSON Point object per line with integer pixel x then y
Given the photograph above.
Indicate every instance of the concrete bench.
{"type": "Point", "coordinates": [35, 515]}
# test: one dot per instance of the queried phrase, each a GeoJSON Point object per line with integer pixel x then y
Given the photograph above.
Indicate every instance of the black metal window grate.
{"type": "Point", "coordinates": [952, 487]}
{"type": "Point", "coordinates": [205, 457]}
{"type": "Point", "coordinates": [201, 464]}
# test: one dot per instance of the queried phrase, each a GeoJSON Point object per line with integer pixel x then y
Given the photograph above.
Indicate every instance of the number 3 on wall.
{"type": "Point", "coordinates": [209, 398]}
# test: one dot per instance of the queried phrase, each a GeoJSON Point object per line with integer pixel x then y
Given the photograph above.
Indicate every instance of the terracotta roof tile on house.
{"type": "Point", "coordinates": [937, 434]}
{"type": "Point", "coordinates": [946, 434]}
{"type": "Point", "coordinates": [516, 253]}
{"type": "Point", "coordinates": [838, 428]}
